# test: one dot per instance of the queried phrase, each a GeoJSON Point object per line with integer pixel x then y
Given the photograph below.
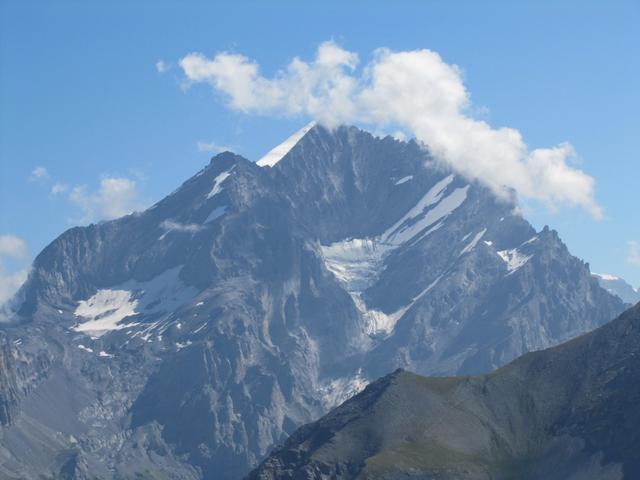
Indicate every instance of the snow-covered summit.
{"type": "Point", "coordinates": [276, 154]}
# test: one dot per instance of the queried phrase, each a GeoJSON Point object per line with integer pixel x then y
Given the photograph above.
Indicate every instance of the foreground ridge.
{"type": "Point", "coordinates": [566, 412]}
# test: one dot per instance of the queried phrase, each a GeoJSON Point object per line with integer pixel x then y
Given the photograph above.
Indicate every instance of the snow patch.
{"type": "Point", "coordinates": [86, 349]}
{"type": "Point", "coordinates": [215, 214]}
{"type": "Point", "coordinates": [354, 259]}
{"type": "Point", "coordinates": [105, 354]}
{"type": "Point", "coordinates": [200, 328]}
{"type": "Point", "coordinates": [105, 310]}
{"type": "Point", "coordinates": [337, 391]}
{"type": "Point", "coordinates": [471, 245]}
{"type": "Point", "coordinates": [514, 259]}
{"type": "Point", "coordinates": [170, 225]}
{"type": "Point", "coordinates": [404, 180]}
{"type": "Point", "coordinates": [606, 276]}
{"type": "Point", "coordinates": [357, 262]}
{"type": "Point", "coordinates": [376, 322]}
{"type": "Point", "coordinates": [416, 220]}
{"type": "Point", "coordinates": [157, 299]}
{"type": "Point", "coordinates": [218, 181]}
{"type": "Point", "coordinates": [277, 153]}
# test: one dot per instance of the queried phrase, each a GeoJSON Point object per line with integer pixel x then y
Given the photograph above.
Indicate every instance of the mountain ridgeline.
{"type": "Point", "coordinates": [186, 341]}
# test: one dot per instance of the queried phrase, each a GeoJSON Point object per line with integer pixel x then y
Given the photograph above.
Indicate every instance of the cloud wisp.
{"type": "Point", "coordinates": [115, 197]}
{"type": "Point", "coordinates": [59, 188]}
{"type": "Point", "coordinates": [38, 173]}
{"type": "Point", "coordinates": [161, 66]}
{"type": "Point", "coordinates": [12, 248]}
{"type": "Point", "coordinates": [212, 147]}
{"type": "Point", "coordinates": [170, 225]}
{"type": "Point", "coordinates": [414, 91]}
{"type": "Point", "coordinates": [633, 253]}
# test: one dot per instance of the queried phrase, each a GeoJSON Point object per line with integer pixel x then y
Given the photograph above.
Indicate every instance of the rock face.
{"type": "Point", "coordinates": [567, 412]}
{"type": "Point", "coordinates": [185, 341]}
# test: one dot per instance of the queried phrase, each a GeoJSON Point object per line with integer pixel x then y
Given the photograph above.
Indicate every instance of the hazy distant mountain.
{"type": "Point", "coordinates": [570, 412]}
{"type": "Point", "coordinates": [619, 287]}
{"type": "Point", "coordinates": [185, 341]}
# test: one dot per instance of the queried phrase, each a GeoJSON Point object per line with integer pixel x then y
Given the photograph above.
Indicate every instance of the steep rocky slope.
{"type": "Point", "coordinates": [186, 340]}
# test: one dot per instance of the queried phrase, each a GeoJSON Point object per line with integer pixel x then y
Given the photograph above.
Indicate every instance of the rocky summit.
{"type": "Point", "coordinates": [185, 341]}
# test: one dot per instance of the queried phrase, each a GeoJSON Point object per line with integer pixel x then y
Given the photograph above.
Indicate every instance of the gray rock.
{"type": "Point", "coordinates": [188, 339]}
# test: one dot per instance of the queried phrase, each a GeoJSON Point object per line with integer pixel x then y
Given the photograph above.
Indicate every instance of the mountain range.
{"type": "Point", "coordinates": [187, 340]}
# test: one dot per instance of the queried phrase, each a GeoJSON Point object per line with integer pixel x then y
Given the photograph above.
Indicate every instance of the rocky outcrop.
{"type": "Point", "coordinates": [8, 385]}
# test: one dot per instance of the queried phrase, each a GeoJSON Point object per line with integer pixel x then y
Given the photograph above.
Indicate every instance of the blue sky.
{"type": "Point", "coordinates": [81, 97]}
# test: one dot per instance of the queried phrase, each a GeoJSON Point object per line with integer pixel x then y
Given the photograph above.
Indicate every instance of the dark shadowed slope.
{"type": "Point", "coordinates": [569, 412]}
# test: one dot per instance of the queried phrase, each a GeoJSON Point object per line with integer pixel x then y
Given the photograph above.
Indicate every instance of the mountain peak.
{"type": "Point", "coordinates": [251, 300]}
{"type": "Point", "coordinates": [277, 153]}
{"type": "Point", "coordinates": [225, 156]}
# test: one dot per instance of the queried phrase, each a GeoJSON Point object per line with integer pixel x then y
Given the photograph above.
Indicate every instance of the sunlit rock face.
{"type": "Point", "coordinates": [187, 340]}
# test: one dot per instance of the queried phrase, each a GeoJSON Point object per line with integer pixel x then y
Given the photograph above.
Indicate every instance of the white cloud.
{"type": "Point", "coordinates": [170, 225]}
{"type": "Point", "coordinates": [38, 173]}
{"type": "Point", "coordinates": [58, 188]}
{"type": "Point", "coordinates": [213, 147]}
{"type": "Point", "coordinates": [321, 89]}
{"type": "Point", "coordinates": [10, 282]}
{"type": "Point", "coordinates": [11, 248]}
{"type": "Point", "coordinates": [633, 253]}
{"type": "Point", "coordinates": [412, 91]}
{"type": "Point", "coordinates": [161, 66]}
{"type": "Point", "coordinates": [399, 135]}
{"type": "Point", "coordinates": [116, 197]}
